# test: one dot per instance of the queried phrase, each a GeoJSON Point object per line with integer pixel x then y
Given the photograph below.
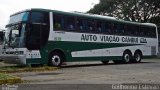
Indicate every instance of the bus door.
{"type": "Point", "coordinates": [37, 30]}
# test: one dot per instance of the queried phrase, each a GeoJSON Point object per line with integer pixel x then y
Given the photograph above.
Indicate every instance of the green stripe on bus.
{"type": "Point", "coordinates": [80, 46]}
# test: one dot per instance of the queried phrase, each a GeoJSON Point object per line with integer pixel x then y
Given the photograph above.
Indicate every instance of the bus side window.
{"type": "Point", "coordinates": [115, 29]}
{"type": "Point", "coordinates": [90, 25]}
{"type": "Point", "coordinates": [98, 26]}
{"type": "Point", "coordinates": [79, 23]}
{"type": "Point", "coordinates": [120, 29]}
{"type": "Point", "coordinates": [58, 22]}
{"type": "Point", "coordinates": [152, 32]}
{"type": "Point", "coordinates": [142, 30]}
{"type": "Point", "coordinates": [111, 28]}
{"type": "Point", "coordinates": [125, 30]}
{"type": "Point", "coordinates": [146, 31]}
{"type": "Point", "coordinates": [136, 31]}
{"type": "Point", "coordinates": [70, 23]}
{"type": "Point", "coordinates": [105, 28]}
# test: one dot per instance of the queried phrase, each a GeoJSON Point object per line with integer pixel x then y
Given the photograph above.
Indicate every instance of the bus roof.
{"type": "Point", "coordinates": [87, 15]}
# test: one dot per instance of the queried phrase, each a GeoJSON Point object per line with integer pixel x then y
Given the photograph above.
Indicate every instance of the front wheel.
{"type": "Point", "coordinates": [56, 59]}
{"type": "Point", "coordinates": [126, 57]}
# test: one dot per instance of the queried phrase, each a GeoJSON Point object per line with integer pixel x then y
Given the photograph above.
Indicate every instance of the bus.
{"type": "Point", "coordinates": [43, 36]}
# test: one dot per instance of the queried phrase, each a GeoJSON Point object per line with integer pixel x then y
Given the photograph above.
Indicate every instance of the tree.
{"type": "Point", "coordinates": [130, 10]}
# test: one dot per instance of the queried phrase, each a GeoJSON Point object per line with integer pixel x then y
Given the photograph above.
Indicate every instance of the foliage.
{"type": "Point", "coordinates": [130, 10]}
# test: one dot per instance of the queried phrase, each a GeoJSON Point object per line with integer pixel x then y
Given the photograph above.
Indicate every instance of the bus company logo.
{"type": "Point", "coordinates": [143, 40]}
{"type": "Point", "coordinates": [109, 38]}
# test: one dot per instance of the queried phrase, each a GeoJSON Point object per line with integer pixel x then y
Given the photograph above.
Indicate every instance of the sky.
{"type": "Point", "coordinates": [8, 7]}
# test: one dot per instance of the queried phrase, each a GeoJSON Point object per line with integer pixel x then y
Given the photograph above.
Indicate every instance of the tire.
{"type": "Point", "coordinates": [127, 57]}
{"type": "Point", "coordinates": [137, 57]}
{"type": "Point", "coordinates": [105, 62]}
{"type": "Point", "coordinates": [56, 59]}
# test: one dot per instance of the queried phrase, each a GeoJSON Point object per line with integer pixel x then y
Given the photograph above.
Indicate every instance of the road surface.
{"type": "Point", "coordinates": [96, 73]}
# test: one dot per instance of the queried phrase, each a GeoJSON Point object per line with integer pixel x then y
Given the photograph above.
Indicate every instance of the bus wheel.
{"type": "Point", "coordinates": [127, 57]}
{"type": "Point", "coordinates": [56, 59]}
{"type": "Point", "coordinates": [137, 57]}
{"type": "Point", "coordinates": [105, 62]}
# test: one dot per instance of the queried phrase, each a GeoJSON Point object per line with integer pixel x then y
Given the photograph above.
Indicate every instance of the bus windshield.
{"type": "Point", "coordinates": [19, 17]}
{"type": "Point", "coordinates": [14, 36]}
{"type": "Point", "coordinates": [27, 29]}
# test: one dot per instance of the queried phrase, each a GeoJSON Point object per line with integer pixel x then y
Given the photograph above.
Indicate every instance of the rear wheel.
{"type": "Point", "coordinates": [56, 59]}
{"type": "Point", "coordinates": [137, 57]}
{"type": "Point", "coordinates": [105, 62]}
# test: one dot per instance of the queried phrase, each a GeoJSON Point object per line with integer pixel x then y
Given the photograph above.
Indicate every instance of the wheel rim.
{"type": "Point", "coordinates": [126, 57]}
{"type": "Point", "coordinates": [137, 57]}
{"type": "Point", "coordinates": [56, 60]}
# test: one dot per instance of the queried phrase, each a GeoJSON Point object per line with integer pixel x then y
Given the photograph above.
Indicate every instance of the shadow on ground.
{"type": "Point", "coordinates": [98, 64]}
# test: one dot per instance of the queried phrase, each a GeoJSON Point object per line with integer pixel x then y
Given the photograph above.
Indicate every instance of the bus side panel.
{"type": "Point", "coordinates": [92, 51]}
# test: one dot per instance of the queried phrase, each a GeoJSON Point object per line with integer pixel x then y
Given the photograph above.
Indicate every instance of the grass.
{"type": "Point", "coordinates": [14, 69]}
{"type": "Point", "coordinates": [5, 78]}
{"type": "Point", "coordinates": [8, 79]}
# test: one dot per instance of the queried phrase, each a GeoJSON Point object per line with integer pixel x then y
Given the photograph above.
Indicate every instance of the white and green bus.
{"type": "Point", "coordinates": [40, 36]}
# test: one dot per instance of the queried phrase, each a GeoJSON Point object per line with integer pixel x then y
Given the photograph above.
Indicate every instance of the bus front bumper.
{"type": "Point", "coordinates": [14, 59]}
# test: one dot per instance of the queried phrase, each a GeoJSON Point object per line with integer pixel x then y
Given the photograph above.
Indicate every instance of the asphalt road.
{"type": "Point", "coordinates": [96, 73]}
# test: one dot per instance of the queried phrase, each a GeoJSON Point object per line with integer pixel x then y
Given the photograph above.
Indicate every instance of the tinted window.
{"type": "Point", "coordinates": [80, 24]}
{"type": "Point", "coordinates": [152, 31]}
{"type": "Point", "coordinates": [141, 33]}
{"type": "Point", "coordinates": [99, 26]}
{"type": "Point", "coordinates": [39, 17]}
{"type": "Point", "coordinates": [119, 29]}
{"type": "Point", "coordinates": [126, 31]}
{"type": "Point", "coordinates": [70, 23]}
{"type": "Point", "coordinates": [90, 26]}
{"type": "Point", "coordinates": [106, 28]}
{"type": "Point", "coordinates": [115, 28]}
{"type": "Point", "coordinates": [58, 21]}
